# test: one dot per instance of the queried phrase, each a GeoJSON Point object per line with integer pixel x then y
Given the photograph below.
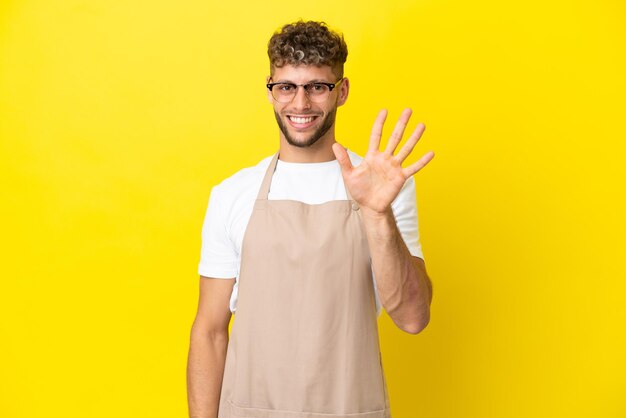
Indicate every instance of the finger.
{"type": "Point", "coordinates": [377, 130]}
{"type": "Point", "coordinates": [343, 158]}
{"type": "Point", "coordinates": [415, 167]}
{"type": "Point", "coordinates": [410, 143]}
{"type": "Point", "coordinates": [398, 131]}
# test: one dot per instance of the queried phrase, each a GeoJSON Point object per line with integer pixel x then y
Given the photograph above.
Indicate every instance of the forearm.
{"type": "Point", "coordinates": [403, 286]}
{"type": "Point", "coordinates": [205, 369]}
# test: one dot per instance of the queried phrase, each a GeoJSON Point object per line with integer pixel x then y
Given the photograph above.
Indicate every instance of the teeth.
{"type": "Point", "coordinates": [301, 120]}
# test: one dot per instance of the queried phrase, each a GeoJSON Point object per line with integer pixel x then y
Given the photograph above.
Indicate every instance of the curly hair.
{"type": "Point", "coordinates": [307, 43]}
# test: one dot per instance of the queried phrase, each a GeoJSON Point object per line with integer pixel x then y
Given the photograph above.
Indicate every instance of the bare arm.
{"type": "Point", "coordinates": [403, 286]}
{"type": "Point", "coordinates": [207, 347]}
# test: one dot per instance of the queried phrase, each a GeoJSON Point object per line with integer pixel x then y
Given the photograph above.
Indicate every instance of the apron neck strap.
{"type": "Point", "coordinates": [267, 180]}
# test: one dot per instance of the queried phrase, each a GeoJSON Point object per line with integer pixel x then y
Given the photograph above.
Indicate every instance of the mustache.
{"type": "Point", "coordinates": [286, 113]}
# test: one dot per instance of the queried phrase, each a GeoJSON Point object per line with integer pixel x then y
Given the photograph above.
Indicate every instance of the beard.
{"type": "Point", "coordinates": [326, 125]}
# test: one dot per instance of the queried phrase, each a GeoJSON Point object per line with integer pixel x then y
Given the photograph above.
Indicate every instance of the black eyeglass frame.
{"type": "Point", "coordinates": [330, 86]}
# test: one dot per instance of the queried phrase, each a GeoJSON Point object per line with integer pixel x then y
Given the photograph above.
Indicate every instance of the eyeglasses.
{"type": "Point", "coordinates": [316, 92]}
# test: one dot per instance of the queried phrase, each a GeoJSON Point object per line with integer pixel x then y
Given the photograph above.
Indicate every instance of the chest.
{"type": "Point", "coordinates": [310, 188]}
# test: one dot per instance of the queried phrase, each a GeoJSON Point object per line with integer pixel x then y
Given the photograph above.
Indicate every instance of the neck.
{"type": "Point", "coordinates": [321, 151]}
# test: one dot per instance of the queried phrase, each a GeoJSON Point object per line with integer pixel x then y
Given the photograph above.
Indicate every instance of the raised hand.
{"type": "Point", "coordinates": [376, 182]}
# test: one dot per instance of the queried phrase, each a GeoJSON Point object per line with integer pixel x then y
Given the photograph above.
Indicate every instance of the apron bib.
{"type": "Point", "coordinates": [304, 340]}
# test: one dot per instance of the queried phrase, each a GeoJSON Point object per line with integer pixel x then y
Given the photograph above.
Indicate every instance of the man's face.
{"type": "Point", "coordinates": [303, 122]}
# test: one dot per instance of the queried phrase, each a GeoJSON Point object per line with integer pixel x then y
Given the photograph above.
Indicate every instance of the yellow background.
{"type": "Point", "coordinates": [117, 117]}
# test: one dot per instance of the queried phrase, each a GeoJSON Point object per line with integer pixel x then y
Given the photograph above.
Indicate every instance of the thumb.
{"type": "Point", "coordinates": [342, 157]}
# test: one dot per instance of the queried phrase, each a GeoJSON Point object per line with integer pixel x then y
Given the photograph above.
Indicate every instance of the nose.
{"type": "Point", "coordinates": [301, 99]}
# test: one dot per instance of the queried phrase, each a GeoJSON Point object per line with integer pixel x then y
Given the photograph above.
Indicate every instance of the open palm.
{"type": "Point", "coordinates": [376, 182]}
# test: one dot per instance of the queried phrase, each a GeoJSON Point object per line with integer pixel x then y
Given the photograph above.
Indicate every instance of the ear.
{"type": "Point", "coordinates": [344, 89]}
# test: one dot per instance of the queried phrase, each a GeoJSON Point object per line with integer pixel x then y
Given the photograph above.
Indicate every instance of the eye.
{"type": "Point", "coordinates": [285, 88]}
{"type": "Point", "coordinates": [317, 87]}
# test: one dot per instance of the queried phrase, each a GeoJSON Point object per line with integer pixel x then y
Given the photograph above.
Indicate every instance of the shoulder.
{"type": "Point", "coordinates": [240, 184]}
{"type": "Point", "coordinates": [244, 178]}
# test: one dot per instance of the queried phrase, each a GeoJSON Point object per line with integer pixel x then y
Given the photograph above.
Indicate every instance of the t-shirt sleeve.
{"type": "Point", "coordinates": [218, 255]}
{"type": "Point", "coordinates": [404, 208]}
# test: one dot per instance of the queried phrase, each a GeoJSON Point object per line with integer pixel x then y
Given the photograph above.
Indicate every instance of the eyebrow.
{"type": "Point", "coordinates": [310, 82]}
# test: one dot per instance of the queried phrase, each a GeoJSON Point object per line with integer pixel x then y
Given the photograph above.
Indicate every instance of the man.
{"type": "Point", "coordinates": [306, 246]}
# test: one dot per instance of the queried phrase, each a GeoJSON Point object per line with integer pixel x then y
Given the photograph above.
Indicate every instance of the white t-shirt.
{"type": "Point", "coordinates": [231, 203]}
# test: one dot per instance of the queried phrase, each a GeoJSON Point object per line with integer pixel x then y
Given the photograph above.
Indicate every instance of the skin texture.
{"type": "Point", "coordinates": [404, 288]}
{"type": "Point", "coordinates": [327, 122]}
{"type": "Point", "coordinates": [207, 347]}
{"type": "Point", "coordinates": [310, 148]}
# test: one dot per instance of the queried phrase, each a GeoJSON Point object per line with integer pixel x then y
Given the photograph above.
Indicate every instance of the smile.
{"type": "Point", "coordinates": [301, 121]}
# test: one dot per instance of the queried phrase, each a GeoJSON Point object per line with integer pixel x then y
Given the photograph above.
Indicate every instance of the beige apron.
{"type": "Point", "coordinates": [304, 340]}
